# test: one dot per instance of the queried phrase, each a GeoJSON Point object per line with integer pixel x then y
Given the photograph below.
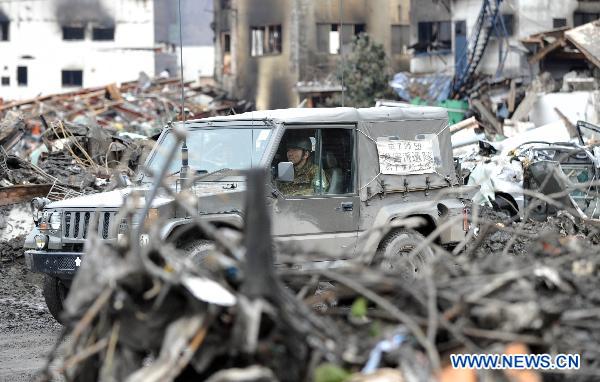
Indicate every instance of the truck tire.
{"type": "Point", "coordinates": [55, 293]}
{"type": "Point", "coordinates": [197, 250]}
{"type": "Point", "coordinates": [393, 252]}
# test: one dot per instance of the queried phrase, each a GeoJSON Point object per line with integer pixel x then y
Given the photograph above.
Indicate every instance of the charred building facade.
{"type": "Point", "coordinates": [60, 45]}
{"type": "Point", "coordinates": [278, 53]}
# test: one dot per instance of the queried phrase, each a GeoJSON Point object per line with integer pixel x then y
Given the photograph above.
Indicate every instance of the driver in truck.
{"type": "Point", "coordinates": [307, 179]}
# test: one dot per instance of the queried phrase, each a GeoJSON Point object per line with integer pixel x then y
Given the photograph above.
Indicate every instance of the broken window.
{"type": "Point", "coordinates": [434, 36]}
{"type": "Point", "coordinates": [22, 75]}
{"type": "Point", "coordinates": [103, 33]}
{"type": "Point", "coordinates": [509, 21]}
{"type": "Point", "coordinates": [400, 38]}
{"type": "Point", "coordinates": [4, 30]}
{"type": "Point", "coordinates": [73, 32]}
{"type": "Point", "coordinates": [5, 81]}
{"type": "Point", "coordinates": [72, 78]}
{"type": "Point", "coordinates": [580, 18]}
{"type": "Point", "coordinates": [226, 44]}
{"type": "Point", "coordinates": [559, 23]}
{"type": "Point", "coordinates": [266, 40]}
{"type": "Point", "coordinates": [328, 36]}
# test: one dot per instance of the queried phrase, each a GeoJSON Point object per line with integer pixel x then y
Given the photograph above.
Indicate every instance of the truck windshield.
{"type": "Point", "coordinates": [210, 150]}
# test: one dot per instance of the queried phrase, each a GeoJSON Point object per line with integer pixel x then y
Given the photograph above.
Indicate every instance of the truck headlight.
{"type": "Point", "coordinates": [55, 220]}
{"type": "Point", "coordinates": [41, 241]}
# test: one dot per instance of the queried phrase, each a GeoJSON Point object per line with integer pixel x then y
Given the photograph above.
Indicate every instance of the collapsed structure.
{"type": "Point", "coordinates": [76, 142]}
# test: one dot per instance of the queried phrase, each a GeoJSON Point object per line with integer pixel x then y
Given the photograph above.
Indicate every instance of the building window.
{"type": "Point", "coordinates": [328, 36]}
{"type": "Point", "coordinates": [72, 78]}
{"type": "Point", "coordinates": [434, 37]}
{"type": "Point", "coordinates": [5, 81]}
{"type": "Point", "coordinates": [22, 75]}
{"type": "Point", "coordinates": [103, 33]}
{"type": "Point", "coordinates": [400, 38]}
{"type": "Point", "coordinates": [72, 33]}
{"type": "Point", "coordinates": [509, 23]}
{"type": "Point", "coordinates": [559, 23]}
{"type": "Point", "coordinates": [266, 40]}
{"type": "Point", "coordinates": [580, 18]}
{"type": "Point", "coordinates": [4, 30]}
{"type": "Point", "coordinates": [226, 44]}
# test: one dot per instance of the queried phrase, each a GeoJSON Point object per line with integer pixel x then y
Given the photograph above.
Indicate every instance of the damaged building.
{"type": "Point", "coordinates": [442, 29]}
{"type": "Point", "coordinates": [279, 53]}
{"type": "Point", "coordinates": [60, 45]}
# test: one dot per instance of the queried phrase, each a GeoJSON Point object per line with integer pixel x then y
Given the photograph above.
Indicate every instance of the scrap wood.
{"type": "Point", "coordinates": [512, 96]}
{"type": "Point", "coordinates": [525, 106]}
{"type": "Point", "coordinates": [568, 124]}
{"type": "Point", "coordinates": [487, 115]}
{"type": "Point", "coordinates": [587, 39]}
{"type": "Point", "coordinates": [114, 92]}
{"type": "Point", "coordinates": [547, 49]}
{"type": "Point", "coordinates": [469, 123]}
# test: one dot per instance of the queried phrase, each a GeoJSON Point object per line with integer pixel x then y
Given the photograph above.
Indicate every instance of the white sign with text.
{"type": "Point", "coordinates": [400, 157]}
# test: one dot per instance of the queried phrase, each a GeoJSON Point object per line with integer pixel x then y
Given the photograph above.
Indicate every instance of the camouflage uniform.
{"type": "Point", "coordinates": [306, 181]}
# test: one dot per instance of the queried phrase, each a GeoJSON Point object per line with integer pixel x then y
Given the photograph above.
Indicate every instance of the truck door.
{"type": "Point", "coordinates": [319, 211]}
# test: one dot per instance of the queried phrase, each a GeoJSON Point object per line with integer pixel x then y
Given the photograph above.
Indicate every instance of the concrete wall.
{"type": "Point", "coordinates": [36, 42]}
{"type": "Point", "coordinates": [198, 61]}
{"type": "Point", "coordinates": [197, 35]}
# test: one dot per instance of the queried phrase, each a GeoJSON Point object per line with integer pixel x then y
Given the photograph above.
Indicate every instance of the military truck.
{"type": "Point", "coordinates": [370, 166]}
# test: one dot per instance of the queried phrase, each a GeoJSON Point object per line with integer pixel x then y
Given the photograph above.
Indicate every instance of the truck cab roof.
{"type": "Point", "coordinates": [337, 115]}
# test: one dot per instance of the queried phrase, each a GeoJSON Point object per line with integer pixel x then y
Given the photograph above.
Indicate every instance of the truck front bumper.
{"type": "Point", "coordinates": [59, 264]}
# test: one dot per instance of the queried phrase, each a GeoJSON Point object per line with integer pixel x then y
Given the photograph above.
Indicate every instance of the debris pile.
{"type": "Point", "coordinates": [152, 313]}
{"type": "Point", "coordinates": [141, 107]}
{"type": "Point", "coordinates": [88, 140]}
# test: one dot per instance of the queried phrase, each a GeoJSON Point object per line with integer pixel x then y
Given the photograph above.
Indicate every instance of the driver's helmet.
{"type": "Point", "coordinates": [299, 143]}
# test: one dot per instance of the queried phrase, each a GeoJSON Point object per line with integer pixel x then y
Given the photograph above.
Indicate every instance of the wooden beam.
{"type": "Point", "coordinates": [547, 49]}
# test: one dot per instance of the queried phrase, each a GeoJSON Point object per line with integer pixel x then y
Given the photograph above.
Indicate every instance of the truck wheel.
{"type": "Point", "coordinates": [197, 250]}
{"type": "Point", "coordinates": [393, 253]}
{"type": "Point", "coordinates": [55, 293]}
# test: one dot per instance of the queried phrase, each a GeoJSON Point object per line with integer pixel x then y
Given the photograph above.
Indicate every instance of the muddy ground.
{"type": "Point", "coordinates": [27, 330]}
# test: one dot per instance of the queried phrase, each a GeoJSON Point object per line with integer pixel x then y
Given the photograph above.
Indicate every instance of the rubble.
{"type": "Point", "coordinates": [87, 140]}
{"type": "Point", "coordinates": [150, 313]}
{"type": "Point", "coordinates": [144, 106]}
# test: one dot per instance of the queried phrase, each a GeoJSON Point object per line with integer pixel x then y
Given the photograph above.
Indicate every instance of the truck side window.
{"type": "Point", "coordinates": [323, 161]}
{"type": "Point", "coordinates": [337, 151]}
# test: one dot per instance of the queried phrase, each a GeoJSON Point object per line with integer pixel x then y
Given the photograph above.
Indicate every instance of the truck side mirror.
{"type": "Point", "coordinates": [285, 171]}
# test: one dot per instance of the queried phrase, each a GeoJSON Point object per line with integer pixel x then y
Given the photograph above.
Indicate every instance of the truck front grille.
{"type": "Point", "coordinates": [76, 224]}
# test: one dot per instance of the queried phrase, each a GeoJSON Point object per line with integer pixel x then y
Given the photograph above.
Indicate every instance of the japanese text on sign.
{"type": "Point", "coordinates": [397, 157]}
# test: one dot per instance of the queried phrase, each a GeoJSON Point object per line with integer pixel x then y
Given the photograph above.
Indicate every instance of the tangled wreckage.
{"type": "Point", "coordinates": [150, 310]}
{"type": "Point", "coordinates": [86, 141]}
{"type": "Point", "coordinates": [511, 178]}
